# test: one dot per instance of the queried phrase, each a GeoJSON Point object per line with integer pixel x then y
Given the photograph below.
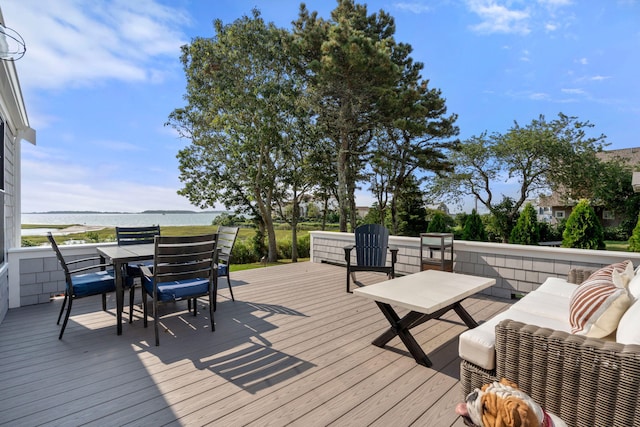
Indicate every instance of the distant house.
{"type": "Point", "coordinates": [556, 207]}
{"type": "Point", "coordinates": [14, 128]}
{"type": "Point", "coordinates": [362, 211]}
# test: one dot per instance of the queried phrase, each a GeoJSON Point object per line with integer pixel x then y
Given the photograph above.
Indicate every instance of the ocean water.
{"type": "Point", "coordinates": [114, 219]}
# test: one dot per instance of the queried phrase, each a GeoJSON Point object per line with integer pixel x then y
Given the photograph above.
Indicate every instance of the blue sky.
{"type": "Point", "coordinates": [101, 77]}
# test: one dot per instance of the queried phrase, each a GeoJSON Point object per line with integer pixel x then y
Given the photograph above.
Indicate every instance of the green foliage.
{"type": "Point", "coordinates": [374, 216]}
{"type": "Point", "coordinates": [243, 253]}
{"type": "Point", "coordinates": [634, 240]}
{"type": "Point", "coordinates": [502, 220]}
{"type": "Point", "coordinates": [440, 223]}
{"type": "Point", "coordinates": [412, 215]}
{"type": "Point", "coordinates": [228, 219]}
{"type": "Point", "coordinates": [526, 230]}
{"type": "Point", "coordinates": [551, 233]}
{"type": "Point", "coordinates": [259, 246]}
{"type": "Point", "coordinates": [583, 229]}
{"type": "Point", "coordinates": [618, 233]}
{"type": "Point", "coordinates": [284, 247]}
{"type": "Point", "coordinates": [474, 228]}
{"type": "Point", "coordinates": [536, 156]}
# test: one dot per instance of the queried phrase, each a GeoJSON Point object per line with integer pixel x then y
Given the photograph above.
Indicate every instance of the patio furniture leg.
{"type": "Point", "coordinates": [64, 303]}
{"type": "Point", "coordinates": [66, 318]}
{"type": "Point", "coordinates": [465, 316]}
{"type": "Point", "coordinates": [400, 327]}
{"type": "Point", "coordinates": [132, 294]}
{"type": "Point", "coordinates": [230, 289]}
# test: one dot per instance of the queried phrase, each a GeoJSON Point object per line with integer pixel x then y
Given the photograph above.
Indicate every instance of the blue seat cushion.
{"type": "Point", "coordinates": [181, 289]}
{"type": "Point", "coordinates": [223, 269]}
{"type": "Point", "coordinates": [133, 271]}
{"type": "Point", "coordinates": [95, 283]}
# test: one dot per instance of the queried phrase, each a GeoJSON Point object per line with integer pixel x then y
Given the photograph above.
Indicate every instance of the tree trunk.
{"type": "Point", "coordinates": [394, 216]}
{"type": "Point", "coordinates": [343, 168]}
{"type": "Point", "coordinates": [325, 212]}
{"type": "Point", "coordinates": [294, 229]}
{"type": "Point", "coordinates": [267, 219]}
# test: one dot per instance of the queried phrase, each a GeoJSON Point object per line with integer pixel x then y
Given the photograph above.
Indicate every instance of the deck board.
{"type": "Point", "coordinates": [293, 349]}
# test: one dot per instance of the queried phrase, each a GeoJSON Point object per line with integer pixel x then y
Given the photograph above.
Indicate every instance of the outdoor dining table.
{"type": "Point", "coordinates": [428, 295]}
{"type": "Point", "coordinates": [120, 256]}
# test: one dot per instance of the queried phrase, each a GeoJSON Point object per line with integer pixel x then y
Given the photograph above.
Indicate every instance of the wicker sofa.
{"type": "Point", "coordinates": [586, 381]}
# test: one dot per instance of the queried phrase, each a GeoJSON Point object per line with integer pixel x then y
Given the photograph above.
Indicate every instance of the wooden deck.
{"type": "Point", "coordinates": [293, 349]}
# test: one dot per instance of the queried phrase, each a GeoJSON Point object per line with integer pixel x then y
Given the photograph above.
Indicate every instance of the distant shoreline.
{"type": "Point", "coordinates": [121, 213]}
{"type": "Point", "coordinates": [104, 219]}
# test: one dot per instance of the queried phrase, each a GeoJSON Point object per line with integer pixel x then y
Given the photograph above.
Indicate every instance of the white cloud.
{"type": "Point", "coordinates": [599, 78]}
{"type": "Point", "coordinates": [583, 61]}
{"type": "Point", "coordinates": [574, 91]}
{"type": "Point", "coordinates": [539, 96]}
{"type": "Point", "coordinates": [555, 3]}
{"type": "Point", "coordinates": [413, 7]}
{"type": "Point", "coordinates": [501, 16]}
{"type": "Point", "coordinates": [499, 19]}
{"type": "Point", "coordinates": [83, 43]}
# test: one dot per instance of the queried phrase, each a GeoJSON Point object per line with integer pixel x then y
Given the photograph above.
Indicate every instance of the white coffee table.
{"type": "Point", "coordinates": [428, 295]}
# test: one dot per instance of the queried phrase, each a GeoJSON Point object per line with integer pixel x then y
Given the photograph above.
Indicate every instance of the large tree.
{"type": "Point", "coordinates": [236, 84]}
{"type": "Point", "coordinates": [539, 156]}
{"type": "Point", "coordinates": [350, 69]}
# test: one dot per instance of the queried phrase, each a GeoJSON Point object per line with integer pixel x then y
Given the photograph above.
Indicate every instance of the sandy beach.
{"type": "Point", "coordinates": [79, 229]}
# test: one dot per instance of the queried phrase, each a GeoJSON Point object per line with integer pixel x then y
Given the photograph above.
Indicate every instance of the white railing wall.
{"type": "Point", "coordinates": [35, 275]}
{"type": "Point", "coordinates": [517, 269]}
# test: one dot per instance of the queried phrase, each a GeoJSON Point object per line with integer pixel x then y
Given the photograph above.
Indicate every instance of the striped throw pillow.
{"type": "Point", "coordinates": [597, 305]}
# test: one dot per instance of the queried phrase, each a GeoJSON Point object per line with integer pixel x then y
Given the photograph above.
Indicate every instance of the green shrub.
{"type": "Point", "coordinates": [526, 230]}
{"type": "Point", "coordinates": [92, 237]}
{"type": "Point", "coordinates": [284, 248]}
{"type": "Point", "coordinates": [304, 246]}
{"type": "Point", "coordinates": [474, 228]}
{"type": "Point", "coordinates": [618, 233]}
{"type": "Point", "coordinates": [243, 253]}
{"type": "Point", "coordinates": [550, 232]}
{"type": "Point", "coordinates": [634, 240]}
{"type": "Point", "coordinates": [440, 223]}
{"type": "Point", "coordinates": [583, 229]}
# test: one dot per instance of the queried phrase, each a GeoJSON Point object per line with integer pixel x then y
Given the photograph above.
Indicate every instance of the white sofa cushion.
{"type": "Point", "coordinates": [634, 285]}
{"type": "Point", "coordinates": [546, 304]}
{"type": "Point", "coordinates": [557, 286]}
{"type": "Point", "coordinates": [628, 331]}
{"type": "Point", "coordinates": [478, 345]}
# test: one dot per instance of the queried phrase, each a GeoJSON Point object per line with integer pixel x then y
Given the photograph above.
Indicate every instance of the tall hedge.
{"type": "Point", "coordinates": [527, 229]}
{"type": "Point", "coordinates": [583, 229]}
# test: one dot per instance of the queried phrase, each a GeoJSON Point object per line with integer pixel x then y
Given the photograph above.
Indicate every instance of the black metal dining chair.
{"type": "Point", "coordinates": [226, 239]}
{"type": "Point", "coordinates": [80, 282]}
{"type": "Point", "coordinates": [184, 268]}
{"type": "Point", "coordinates": [135, 236]}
